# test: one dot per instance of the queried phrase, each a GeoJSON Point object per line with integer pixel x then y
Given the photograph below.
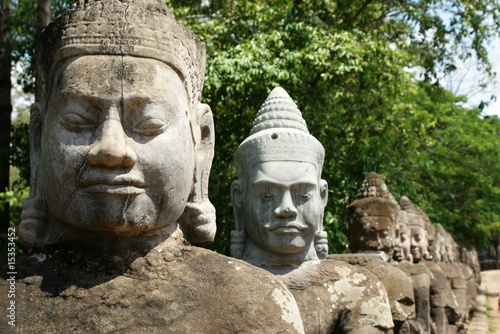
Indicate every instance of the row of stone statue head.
{"type": "Point", "coordinates": [278, 204]}
{"type": "Point", "coordinates": [121, 150]}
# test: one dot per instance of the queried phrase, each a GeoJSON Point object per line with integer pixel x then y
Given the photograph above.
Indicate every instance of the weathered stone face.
{"type": "Point", "coordinates": [122, 149]}
{"type": "Point", "coordinates": [279, 199]}
{"type": "Point", "coordinates": [373, 218]}
{"type": "Point", "coordinates": [404, 237]}
{"type": "Point", "coordinates": [283, 206]}
{"type": "Point", "coordinates": [119, 140]}
{"type": "Point", "coordinates": [119, 125]}
{"type": "Point", "coordinates": [419, 244]}
{"type": "Point", "coordinates": [278, 204]}
{"type": "Point", "coordinates": [372, 225]}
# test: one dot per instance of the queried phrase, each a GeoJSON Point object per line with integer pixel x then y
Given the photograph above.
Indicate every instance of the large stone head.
{"type": "Point", "coordinates": [121, 143]}
{"type": "Point", "coordinates": [279, 198]}
{"type": "Point", "coordinates": [419, 247]}
{"type": "Point", "coordinates": [373, 218]}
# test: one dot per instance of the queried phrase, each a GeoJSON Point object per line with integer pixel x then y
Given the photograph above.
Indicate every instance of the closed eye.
{"type": "Point", "coordinates": [266, 197]}
{"type": "Point", "coordinates": [76, 122]}
{"type": "Point", "coordinates": [150, 127]}
{"type": "Point", "coordinates": [407, 301]}
{"type": "Point", "coordinates": [305, 197]}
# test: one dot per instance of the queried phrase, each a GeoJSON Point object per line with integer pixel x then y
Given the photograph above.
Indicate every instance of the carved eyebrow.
{"type": "Point", "coordinates": [99, 101]}
{"type": "Point", "coordinates": [93, 100]}
{"type": "Point", "coordinates": [132, 101]}
{"type": "Point", "coordinates": [299, 182]}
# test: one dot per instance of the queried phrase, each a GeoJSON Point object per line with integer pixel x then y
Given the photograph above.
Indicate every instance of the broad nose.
{"type": "Point", "coordinates": [286, 208]}
{"type": "Point", "coordinates": [414, 242]}
{"type": "Point", "coordinates": [111, 149]}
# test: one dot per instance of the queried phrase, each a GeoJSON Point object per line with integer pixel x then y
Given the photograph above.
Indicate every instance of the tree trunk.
{"type": "Point", "coordinates": [5, 105]}
{"type": "Point", "coordinates": [43, 16]}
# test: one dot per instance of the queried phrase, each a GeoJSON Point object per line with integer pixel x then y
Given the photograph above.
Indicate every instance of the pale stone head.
{"type": "Point", "coordinates": [419, 247]}
{"type": "Point", "coordinates": [447, 249]}
{"type": "Point", "coordinates": [279, 198]}
{"type": "Point", "coordinates": [121, 142]}
{"type": "Point", "coordinates": [372, 218]}
{"type": "Point", "coordinates": [404, 236]}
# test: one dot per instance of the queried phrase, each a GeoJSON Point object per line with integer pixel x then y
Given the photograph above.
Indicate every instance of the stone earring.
{"type": "Point", "coordinates": [33, 225]}
{"type": "Point", "coordinates": [427, 256]}
{"type": "Point", "coordinates": [198, 222]}
{"type": "Point", "coordinates": [321, 244]}
{"type": "Point", "coordinates": [238, 239]}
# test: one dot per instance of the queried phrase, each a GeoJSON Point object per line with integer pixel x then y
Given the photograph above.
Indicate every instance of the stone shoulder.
{"type": "Point", "coordinates": [355, 291]}
{"type": "Point", "coordinates": [63, 291]}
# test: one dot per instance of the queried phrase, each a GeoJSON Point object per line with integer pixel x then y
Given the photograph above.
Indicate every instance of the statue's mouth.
{"type": "Point", "coordinates": [287, 228]}
{"type": "Point", "coordinates": [114, 189]}
{"type": "Point", "coordinates": [112, 184]}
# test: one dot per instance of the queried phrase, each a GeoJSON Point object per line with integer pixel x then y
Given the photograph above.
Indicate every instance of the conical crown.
{"type": "Point", "coordinates": [279, 111]}
{"type": "Point", "coordinates": [407, 206]}
{"type": "Point", "coordinates": [374, 186]}
{"type": "Point", "coordinates": [279, 133]}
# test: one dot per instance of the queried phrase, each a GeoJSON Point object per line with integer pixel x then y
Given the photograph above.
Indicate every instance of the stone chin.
{"type": "Point", "coordinates": [112, 213]}
{"type": "Point", "coordinates": [416, 255]}
{"type": "Point", "coordinates": [282, 243]}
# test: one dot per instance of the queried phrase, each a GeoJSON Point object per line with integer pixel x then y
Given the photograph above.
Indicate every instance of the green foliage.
{"type": "Point", "coordinates": [462, 171]}
{"type": "Point", "coordinates": [23, 25]}
{"type": "Point", "coordinates": [20, 152]}
{"type": "Point", "coordinates": [7, 198]}
{"type": "Point", "coordinates": [345, 65]}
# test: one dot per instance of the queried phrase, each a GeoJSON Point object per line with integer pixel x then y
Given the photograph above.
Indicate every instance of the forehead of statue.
{"type": "Point", "coordinates": [417, 230]}
{"type": "Point", "coordinates": [378, 222]}
{"type": "Point", "coordinates": [109, 76]}
{"type": "Point", "coordinates": [403, 228]}
{"type": "Point", "coordinates": [284, 173]}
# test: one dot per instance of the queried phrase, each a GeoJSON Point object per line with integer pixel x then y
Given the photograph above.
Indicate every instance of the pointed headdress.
{"type": "Point", "coordinates": [279, 133]}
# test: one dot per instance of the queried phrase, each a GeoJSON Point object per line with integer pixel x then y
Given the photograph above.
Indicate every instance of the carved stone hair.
{"type": "Point", "coordinates": [138, 28]}
{"type": "Point", "coordinates": [374, 186]}
{"type": "Point", "coordinates": [408, 206]}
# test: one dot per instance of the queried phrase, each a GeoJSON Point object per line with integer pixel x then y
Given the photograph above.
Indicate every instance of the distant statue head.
{"type": "Point", "coordinates": [373, 218]}
{"type": "Point", "coordinates": [419, 238]}
{"type": "Point", "coordinates": [121, 143]}
{"type": "Point", "coordinates": [431, 234]}
{"type": "Point", "coordinates": [404, 236]}
{"type": "Point", "coordinates": [446, 248]}
{"type": "Point", "coordinates": [279, 198]}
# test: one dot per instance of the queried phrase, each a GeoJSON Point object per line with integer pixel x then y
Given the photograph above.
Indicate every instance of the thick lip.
{"type": "Point", "coordinates": [108, 189]}
{"type": "Point", "coordinates": [287, 228]}
{"type": "Point", "coordinates": [112, 184]}
{"type": "Point", "coordinates": [414, 250]}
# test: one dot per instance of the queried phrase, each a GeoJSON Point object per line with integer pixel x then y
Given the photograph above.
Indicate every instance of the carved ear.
{"type": "Point", "coordinates": [205, 149]}
{"type": "Point", "coordinates": [33, 228]}
{"type": "Point", "coordinates": [198, 221]}
{"type": "Point", "coordinates": [323, 192]}
{"type": "Point", "coordinates": [237, 201]}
